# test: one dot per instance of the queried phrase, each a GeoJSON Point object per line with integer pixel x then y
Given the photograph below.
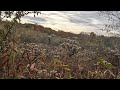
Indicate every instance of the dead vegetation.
{"type": "Point", "coordinates": [29, 54]}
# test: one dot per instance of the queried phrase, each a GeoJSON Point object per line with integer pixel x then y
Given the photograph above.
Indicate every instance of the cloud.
{"type": "Point", "coordinates": [35, 19]}
{"type": "Point", "coordinates": [70, 21]}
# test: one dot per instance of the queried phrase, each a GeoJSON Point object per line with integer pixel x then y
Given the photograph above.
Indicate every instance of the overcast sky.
{"type": "Point", "coordinates": [69, 21]}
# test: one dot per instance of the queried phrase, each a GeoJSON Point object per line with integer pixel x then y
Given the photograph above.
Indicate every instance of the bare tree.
{"type": "Point", "coordinates": [17, 14]}
{"type": "Point", "coordinates": [113, 20]}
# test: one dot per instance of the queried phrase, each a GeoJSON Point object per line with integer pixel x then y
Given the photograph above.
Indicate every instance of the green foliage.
{"type": "Point", "coordinates": [105, 64]}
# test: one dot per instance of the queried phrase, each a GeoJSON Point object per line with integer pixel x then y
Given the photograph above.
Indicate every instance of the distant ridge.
{"type": "Point", "coordinates": [47, 30]}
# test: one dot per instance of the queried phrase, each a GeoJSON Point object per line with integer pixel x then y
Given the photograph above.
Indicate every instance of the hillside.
{"type": "Point", "coordinates": [36, 52]}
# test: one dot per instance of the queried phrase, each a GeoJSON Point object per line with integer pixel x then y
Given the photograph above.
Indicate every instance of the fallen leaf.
{"type": "Point", "coordinates": [32, 66]}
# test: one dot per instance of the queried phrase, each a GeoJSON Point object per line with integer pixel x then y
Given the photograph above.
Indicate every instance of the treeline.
{"type": "Point", "coordinates": [29, 33]}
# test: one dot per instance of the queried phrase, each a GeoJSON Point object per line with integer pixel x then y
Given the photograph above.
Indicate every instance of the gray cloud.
{"type": "Point", "coordinates": [74, 20]}
{"type": "Point", "coordinates": [35, 18]}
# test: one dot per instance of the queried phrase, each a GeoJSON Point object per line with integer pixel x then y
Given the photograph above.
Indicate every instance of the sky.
{"type": "Point", "coordinates": [69, 21]}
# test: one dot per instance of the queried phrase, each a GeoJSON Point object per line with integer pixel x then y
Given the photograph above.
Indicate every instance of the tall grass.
{"type": "Point", "coordinates": [27, 54]}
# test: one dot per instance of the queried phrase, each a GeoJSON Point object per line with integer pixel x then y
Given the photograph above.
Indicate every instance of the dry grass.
{"type": "Point", "coordinates": [61, 60]}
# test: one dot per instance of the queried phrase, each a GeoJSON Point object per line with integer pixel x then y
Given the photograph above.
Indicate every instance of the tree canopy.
{"type": "Point", "coordinates": [17, 14]}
